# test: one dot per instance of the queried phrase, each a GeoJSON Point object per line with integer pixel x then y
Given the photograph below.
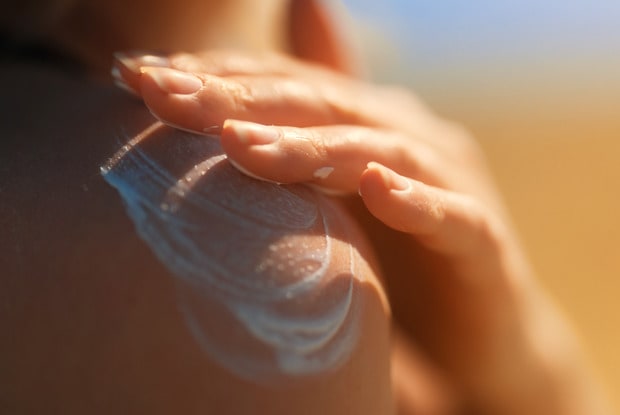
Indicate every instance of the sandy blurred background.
{"type": "Point", "coordinates": [538, 83]}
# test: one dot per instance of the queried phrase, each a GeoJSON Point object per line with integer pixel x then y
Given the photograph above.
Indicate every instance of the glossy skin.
{"type": "Point", "coordinates": [93, 319]}
{"type": "Point", "coordinates": [458, 283]}
{"type": "Point", "coordinates": [455, 272]}
{"type": "Point", "coordinates": [92, 316]}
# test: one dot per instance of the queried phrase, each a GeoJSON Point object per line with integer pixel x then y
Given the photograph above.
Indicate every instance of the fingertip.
{"type": "Point", "coordinates": [125, 78]}
{"type": "Point", "coordinates": [229, 138]}
{"type": "Point", "coordinates": [168, 95]}
{"type": "Point", "coordinates": [401, 203]}
{"type": "Point", "coordinates": [134, 60]}
{"type": "Point", "coordinates": [126, 68]}
{"type": "Point", "coordinates": [171, 81]}
{"type": "Point", "coordinates": [378, 178]}
{"type": "Point", "coordinates": [278, 154]}
{"type": "Point", "coordinates": [237, 139]}
{"type": "Point", "coordinates": [251, 133]}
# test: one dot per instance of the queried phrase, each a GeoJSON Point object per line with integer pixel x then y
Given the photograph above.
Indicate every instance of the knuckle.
{"type": "Point", "coordinates": [320, 147]}
{"type": "Point", "coordinates": [436, 209]}
{"type": "Point", "coordinates": [240, 95]}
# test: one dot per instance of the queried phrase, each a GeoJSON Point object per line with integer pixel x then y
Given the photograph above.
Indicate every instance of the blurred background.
{"type": "Point", "coordinates": [538, 83]}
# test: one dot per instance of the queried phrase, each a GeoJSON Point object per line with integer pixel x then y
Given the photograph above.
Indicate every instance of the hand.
{"type": "Point", "coordinates": [457, 279]}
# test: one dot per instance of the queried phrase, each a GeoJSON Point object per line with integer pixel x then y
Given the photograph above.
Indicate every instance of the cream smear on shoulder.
{"type": "Point", "coordinates": [264, 285]}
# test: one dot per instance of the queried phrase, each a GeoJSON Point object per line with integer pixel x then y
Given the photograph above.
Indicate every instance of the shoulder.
{"type": "Point", "coordinates": [149, 255]}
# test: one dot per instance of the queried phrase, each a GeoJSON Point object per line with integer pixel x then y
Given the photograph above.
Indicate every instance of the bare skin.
{"type": "Point", "coordinates": [87, 332]}
{"type": "Point", "coordinates": [458, 281]}
{"type": "Point", "coordinates": [92, 316]}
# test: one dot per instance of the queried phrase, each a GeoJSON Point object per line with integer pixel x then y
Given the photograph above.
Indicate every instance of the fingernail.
{"type": "Point", "coordinates": [135, 60]}
{"type": "Point", "coordinates": [391, 179]}
{"type": "Point", "coordinates": [172, 81]}
{"type": "Point", "coordinates": [252, 133]}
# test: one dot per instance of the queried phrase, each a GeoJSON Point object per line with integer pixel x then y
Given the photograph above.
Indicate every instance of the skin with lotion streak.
{"type": "Point", "coordinates": [264, 286]}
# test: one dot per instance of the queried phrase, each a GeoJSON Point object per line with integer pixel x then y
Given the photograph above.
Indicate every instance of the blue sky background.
{"type": "Point", "coordinates": [439, 33]}
{"type": "Point", "coordinates": [502, 57]}
{"type": "Point", "coordinates": [484, 26]}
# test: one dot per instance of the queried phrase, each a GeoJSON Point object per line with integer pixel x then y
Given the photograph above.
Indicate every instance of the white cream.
{"type": "Point", "coordinates": [263, 285]}
{"type": "Point", "coordinates": [323, 172]}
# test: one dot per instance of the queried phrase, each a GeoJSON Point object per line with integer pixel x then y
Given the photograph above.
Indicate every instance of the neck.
{"type": "Point", "coordinates": [93, 31]}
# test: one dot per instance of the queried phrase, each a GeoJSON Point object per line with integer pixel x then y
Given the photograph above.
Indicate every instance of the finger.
{"type": "Point", "coordinates": [282, 83]}
{"type": "Point", "coordinates": [201, 102]}
{"type": "Point", "coordinates": [216, 62]}
{"type": "Point", "coordinates": [444, 221]}
{"type": "Point", "coordinates": [308, 96]}
{"type": "Point", "coordinates": [332, 157]}
{"type": "Point", "coordinates": [228, 63]}
{"type": "Point", "coordinates": [126, 68]}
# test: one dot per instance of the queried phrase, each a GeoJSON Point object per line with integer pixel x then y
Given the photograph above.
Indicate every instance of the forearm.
{"type": "Point", "coordinates": [544, 371]}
